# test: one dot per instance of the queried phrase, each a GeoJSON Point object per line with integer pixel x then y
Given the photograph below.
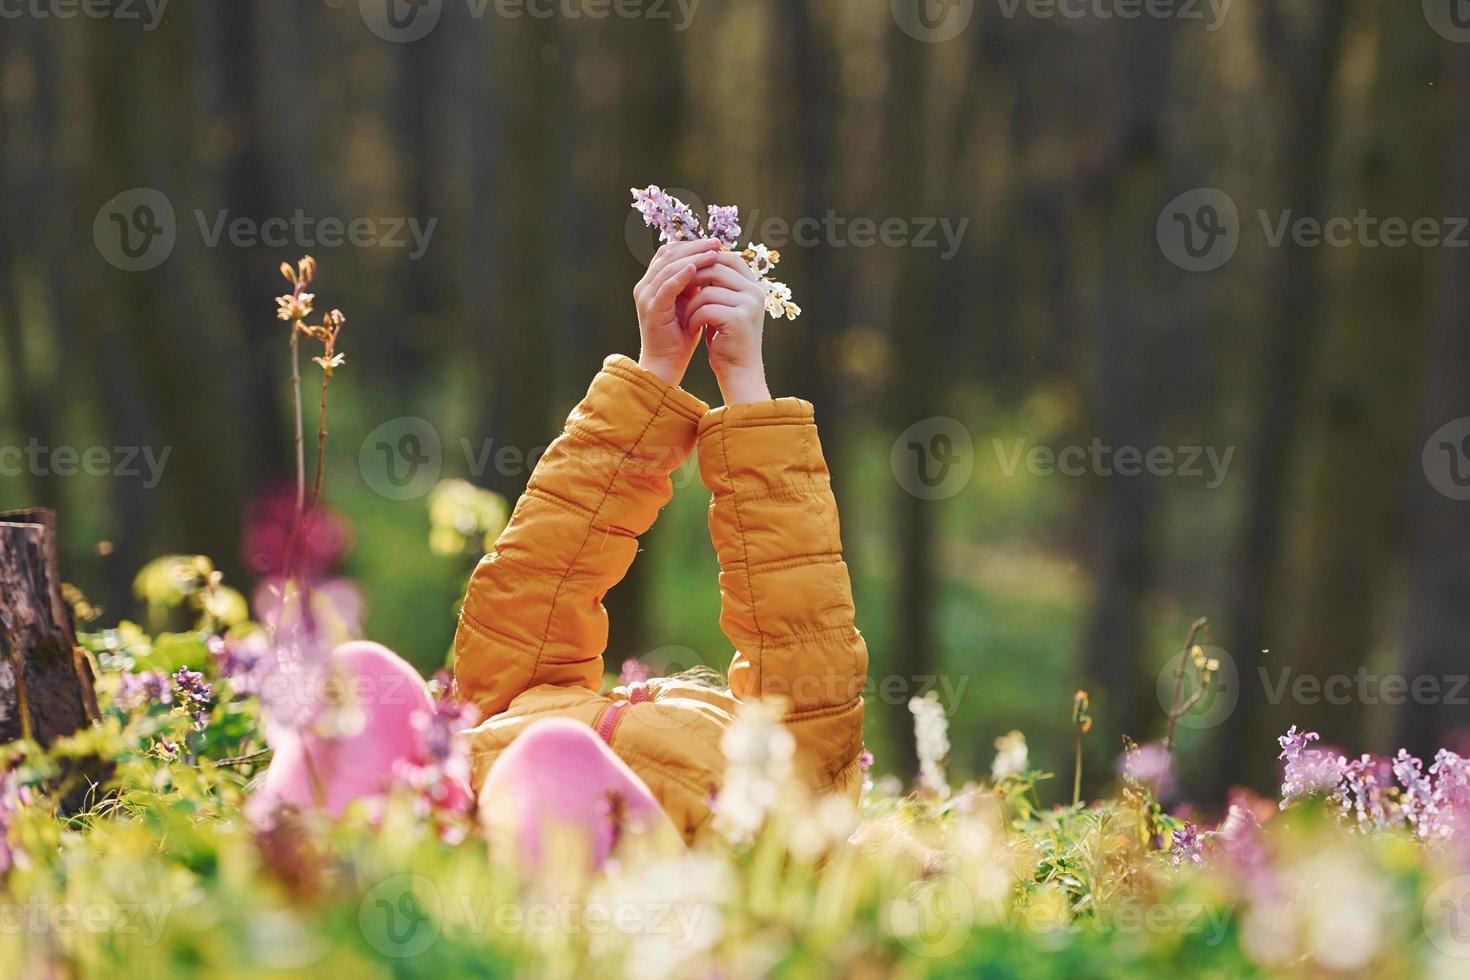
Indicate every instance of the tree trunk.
{"type": "Point", "coordinates": [1436, 612]}
{"type": "Point", "coordinates": [1305, 68]}
{"type": "Point", "coordinates": [46, 687]}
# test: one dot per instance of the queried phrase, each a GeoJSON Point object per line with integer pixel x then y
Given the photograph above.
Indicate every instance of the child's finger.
{"type": "Point", "coordinates": [713, 294]}
{"type": "Point", "coordinates": [713, 316]}
{"type": "Point", "coordinates": [733, 261]}
{"type": "Point", "coordinates": [700, 260]}
{"type": "Point", "coordinates": [718, 273]}
{"type": "Point", "coordinates": [672, 252]}
{"type": "Point", "coordinates": [674, 284]}
{"type": "Point", "coordinates": [665, 261]}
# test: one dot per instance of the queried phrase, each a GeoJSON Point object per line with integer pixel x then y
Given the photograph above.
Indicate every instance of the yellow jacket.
{"type": "Point", "coordinates": [533, 629]}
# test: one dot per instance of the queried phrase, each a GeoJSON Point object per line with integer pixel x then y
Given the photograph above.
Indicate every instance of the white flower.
{"type": "Point", "coordinates": [666, 915]}
{"type": "Point", "coordinates": [758, 749]}
{"type": "Point", "coordinates": [1011, 756]}
{"type": "Point", "coordinates": [761, 259]}
{"type": "Point", "coordinates": [931, 735]}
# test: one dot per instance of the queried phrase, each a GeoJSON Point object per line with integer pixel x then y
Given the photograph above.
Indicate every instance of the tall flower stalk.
{"type": "Point", "coordinates": [300, 652]}
{"type": "Point", "coordinates": [294, 308]}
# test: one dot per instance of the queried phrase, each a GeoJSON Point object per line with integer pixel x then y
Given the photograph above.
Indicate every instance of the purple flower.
{"type": "Point", "coordinates": [634, 671]}
{"type": "Point", "coordinates": [1188, 846]}
{"type": "Point", "coordinates": [1150, 765]}
{"type": "Point", "coordinates": [1451, 800]}
{"type": "Point", "coordinates": [436, 729]}
{"type": "Point", "coordinates": [1365, 779]}
{"type": "Point", "coordinates": [13, 796]}
{"type": "Point", "coordinates": [242, 662]}
{"type": "Point", "coordinates": [195, 694]}
{"type": "Point", "coordinates": [135, 690]}
{"type": "Point", "coordinates": [1307, 771]}
{"type": "Point", "coordinates": [168, 747]}
{"type": "Point", "coordinates": [673, 218]}
{"type": "Point", "coordinates": [724, 224]}
{"type": "Point", "coordinates": [1417, 800]}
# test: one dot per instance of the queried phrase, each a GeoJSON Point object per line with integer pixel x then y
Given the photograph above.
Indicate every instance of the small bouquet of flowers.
{"type": "Point", "coordinates": [676, 222]}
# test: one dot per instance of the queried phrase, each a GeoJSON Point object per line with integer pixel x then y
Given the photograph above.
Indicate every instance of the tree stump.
{"type": "Point", "coordinates": [46, 682]}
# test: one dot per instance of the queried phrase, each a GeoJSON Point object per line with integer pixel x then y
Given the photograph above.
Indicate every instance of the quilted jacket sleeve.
{"type": "Point", "coordinates": [533, 614]}
{"type": "Point", "coordinates": [787, 600]}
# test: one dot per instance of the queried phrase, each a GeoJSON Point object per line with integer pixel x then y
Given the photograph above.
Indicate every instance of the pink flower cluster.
{"type": "Point", "coordinates": [13, 796]}
{"type": "Point", "coordinates": [439, 770]}
{"type": "Point", "coordinates": [1381, 793]}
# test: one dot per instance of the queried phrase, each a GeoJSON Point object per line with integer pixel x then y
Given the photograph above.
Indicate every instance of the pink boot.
{"type": "Point", "coordinates": [388, 691]}
{"type": "Point", "coordinates": [559, 774]}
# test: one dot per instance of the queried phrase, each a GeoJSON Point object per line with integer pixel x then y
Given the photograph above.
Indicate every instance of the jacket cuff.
{"type": "Point", "coordinates": [634, 410]}
{"type": "Point", "coordinates": [777, 411]}
{"type": "Point", "coordinates": [673, 398]}
{"type": "Point", "coordinates": [759, 446]}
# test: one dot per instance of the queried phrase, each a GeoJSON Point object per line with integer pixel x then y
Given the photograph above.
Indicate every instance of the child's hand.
{"type": "Point", "coordinates": [662, 296]}
{"type": "Point", "coordinates": [730, 308]}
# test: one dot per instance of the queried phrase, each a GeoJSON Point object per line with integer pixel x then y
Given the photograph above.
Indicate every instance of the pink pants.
{"type": "Point", "coordinates": [558, 776]}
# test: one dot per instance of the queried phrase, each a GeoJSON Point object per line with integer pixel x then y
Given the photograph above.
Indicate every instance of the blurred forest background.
{"type": "Point", "coordinates": [1327, 548]}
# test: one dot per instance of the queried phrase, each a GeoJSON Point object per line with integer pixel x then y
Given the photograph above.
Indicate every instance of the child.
{"type": "Point", "coordinates": [528, 653]}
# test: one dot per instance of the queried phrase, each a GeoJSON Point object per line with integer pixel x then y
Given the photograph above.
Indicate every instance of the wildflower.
{"type": "Point", "coordinates": [724, 224]}
{"type": "Point", "coordinates": [242, 661]}
{"type": "Point", "coordinates": [321, 538]}
{"type": "Point", "coordinates": [135, 690]}
{"type": "Point", "coordinates": [195, 695]}
{"type": "Point", "coordinates": [1366, 779]}
{"type": "Point", "coordinates": [1011, 756]}
{"type": "Point", "coordinates": [1188, 846]}
{"type": "Point", "coordinates": [13, 796]}
{"type": "Point", "coordinates": [168, 748]}
{"type": "Point", "coordinates": [761, 259]}
{"type": "Point", "coordinates": [758, 751]}
{"type": "Point", "coordinates": [778, 300]}
{"type": "Point", "coordinates": [439, 770]}
{"type": "Point", "coordinates": [293, 308]}
{"type": "Point", "coordinates": [634, 671]}
{"type": "Point", "coordinates": [1150, 765]}
{"type": "Point", "coordinates": [1417, 800]}
{"type": "Point", "coordinates": [690, 889]}
{"type": "Point", "coordinates": [931, 737]}
{"type": "Point", "coordinates": [1307, 771]}
{"type": "Point", "coordinates": [673, 218]}
{"type": "Point", "coordinates": [1238, 837]}
{"type": "Point", "coordinates": [1451, 810]}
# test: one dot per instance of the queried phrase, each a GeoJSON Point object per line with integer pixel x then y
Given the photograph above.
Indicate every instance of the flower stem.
{"type": "Point", "coordinates": [1077, 771]}
{"type": "Point", "coordinates": [321, 442]}
{"type": "Point", "coordinates": [300, 439]}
